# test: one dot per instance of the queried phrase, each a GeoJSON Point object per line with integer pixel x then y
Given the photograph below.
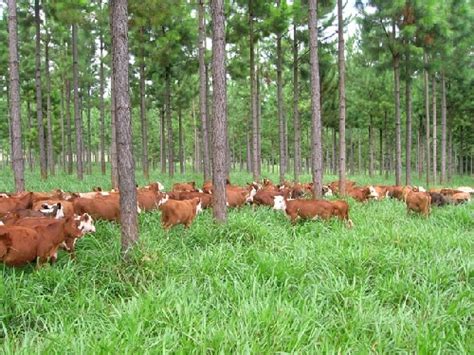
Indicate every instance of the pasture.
{"type": "Point", "coordinates": [393, 283]}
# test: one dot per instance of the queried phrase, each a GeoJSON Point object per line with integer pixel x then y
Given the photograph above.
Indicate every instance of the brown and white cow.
{"type": "Point", "coordinates": [19, 202]}
{"type": "Point", "coordinates": [418, 202]}
{"type": "Point", "coordinates": [206, 199]}
{"type": "Point", "coordinates": [174, 212]}
{"type": "Point", "coordinates": [184, 187]}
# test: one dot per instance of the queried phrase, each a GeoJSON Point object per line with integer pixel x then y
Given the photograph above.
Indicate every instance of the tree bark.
{"type": "Point", "coordinates": [427, 113]}
{"type": "Point", "coordinates": [296, 112]}
{"type": "Point", "coordinates": [14, 98]}
{"type": "Point", "coordinates": [435, 134]}
{"type": "Point", "coordinates": [169, 122]}
{"type": "Point", "coordinates": [143, 119]}
{"type": "Point", "coordinates": [101, 102]}
{"type": "Point", "coordinates": [162, 140]}
{"type": "Point", "coordinates": [408, 143]}
{"type": "Point", "coordinates": [380, 151]}
{"type": "Point", "coordinates": [316, 144]}
{"type": "Point", "coordinates": [68, 127]}
{"type": "Point", "coordinates": [334, 164]}
{"type": "Point", "coordinates": [253, 95]}
{"type": "Point", "coordinates": [126, 164]}
{"type": "Point", "coordinates": [281, 118]}
{"type": "Point", "coordinates": [77, 114]}
{"type": "Point", "coordinates": [50, 152]}
{"type": "Point", "coordinates": [113, 140]}
{"type": "Point", "coordinates": [89, 133]}
{"type": "Point", "coordinates": [30, 126]}
{"type": "Point", "coordinates": [398, 148]}
{"type": "Point", "coordinates": [342, 101]}
{"type": "Point", "coordinates": [371, 149]}
{"type": "Point", "coordinates": [259, 125]}
{"type": "Point", "coordinates": [219, 125]}
{"type": "Point", "coordinates": [450, 152]}
{"type": "Point", "coordinates": [420, 148]}
{"type": "Point", "coordinates": [181, 142]}
{"type": "Point", "coordinates": [39, 99]}
{"type": "Point", "coordinates": [203, 91]}
{"type": "Point", "coordinates": [443, 128]}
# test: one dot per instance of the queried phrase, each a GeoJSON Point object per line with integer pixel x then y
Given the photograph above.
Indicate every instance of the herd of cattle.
{"type": "Point", "coordinates": [34, 225]}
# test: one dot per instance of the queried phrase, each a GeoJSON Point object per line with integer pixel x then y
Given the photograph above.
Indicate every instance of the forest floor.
{"type": "Point", "coordinates": [393, 283]}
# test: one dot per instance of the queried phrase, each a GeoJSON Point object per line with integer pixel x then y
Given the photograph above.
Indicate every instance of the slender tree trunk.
{"type": "Point", "coordinates": [203, 91]}
{"type": "Point", "coordinates": [259, 126]}
{"type": "Point", "coordinates": [113, 133]}
{"type": "Point", "coordinates": [281, 119]}
{"type": "Point", "coordinates": [77, 114]}
{"type": "Point", "coordinates": [427, 112]}
{"type": "Point", "coordinates": [68, 126]}
{"type": "Point", "coordinates": [181, 142]}
{"type": "Point", "coordinates": [380, 152]}
{"type": "Point", "coordinates": [30, 126]}
{"type": "Point", "coordinates": [450, 152]}
{"type": "Point", "coordinates": [50, 156]}
{"type": "Point", "coordinates": [387, 145]}
{"type": "Point", "coordinates": [162, 140]}
{"type": "Point", "coordinates": [316, 143]}
{"type": "Point", "coordinates": [101, 102]}
{"type": "Point", "coordinates": [296, 113]}
{"type": "Point", "coordinates": [359, 159]}
{"type": "Point", "coordinates": [219, 125]}
{"type": "Point", "coordinates": [443, 128]}
{"type": "Point", "coordinates": [126, 164]}
{"type": "Point", "coordinates": [39, 99]}
{"type": "Point", "coordinates": [398, 148]}
{"type": "Point", "coordinates": [435, 134]}
{"type": "Point", "coordinates": [143, 119]}
{"type": "Point", "coordinates": [249, 153]}
{"type": "Point", "coordinates": [169, 122]}
{"type": "Point", "coordinates": [334, 152]}
{"type": "Point", "coordinates": [342, 101]}
{"type": "Point", "coordinates": [89, 133]}
{"type": "Point", "coordinates": [14, 100]}
{"type": "Point", "coordinates": [408, 101]}
{"type": "Point", "coordinates": [253, 95]}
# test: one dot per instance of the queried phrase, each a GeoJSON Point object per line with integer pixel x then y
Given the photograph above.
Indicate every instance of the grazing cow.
{"type": "Point", "coordinates": [238, 197]}
{"type": "Point", "coordinates": [20, 246]}
{"type": "Point", "coordinates": [309, 209]}
{"type": "Point", "coordinates": [184, 187]}
{"type": "Point", "coordinates": [156, 186]}
{"type": "Point", "coordinates": [334, 186]}
{"type": "Point", "coordinates": [175, 212]}
{"type": "Point", "coordinates": [55, 211]}
{"type": "Point", "coordinates": [68, 229]}
{"type": "Point", "coordinates": [362, 194]}
{"type": "Point", "coordinates": [40, 196]}
{"type": "Point", "coordinates": [460, 197]}
{"type": "Point", "coordinates": [342, 212]}
{"type": "Point", "coordinates": [449, 192]}
{"type": "Point", "coordinates": [437, 199]}
{"type": "Point", "coordinates": [206, 199]}
{"type": "Point", "coordinates": [207, 187]}
{"type": "Point", "coordinates": [48, 206]}
{"type": "Point", "coordinates": [148, 198]}
{"type": "Point", "coordinates": [466, 189]}
{"type": "Point", "coordinates": [382, 192]}
{"type": "Point", "coordinates": [20, 202]}
{"type": "Point", "coordinates": [266, 197]}
{"type": "Point", "coordinates": [101, 208]}
{"type": "Point", "coordinates": [418, 202]}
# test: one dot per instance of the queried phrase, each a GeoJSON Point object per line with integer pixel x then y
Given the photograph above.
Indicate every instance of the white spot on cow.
{"type": "Point", "coordinates": [163, 200]}
{"type": "Point", "coordinates": [279, 203]}
{"type": "Point", "coordinates": [104, 193]}
{"type": "Point", "coordinates": [160, 186]}
{"type": "Point", "coordinates": [87, 224]}
{"type": "Point", "coordinates": [139, 210]}
{"type": "Point", "coordinates": [59, 211]}
{"type": "Point", "coordinates": [466, 189]}
{"type": "Point", "coordinates": [199, 207]}
{"type": "Point", "coordinates": [373, 192]}
{"type": "Point", "coordinates": [4, 196]}
{"type": "Point", "coordinates": [421, 189]}
{"type": "Point", "coordinates": [1, 223]}
{"type": "Point", "coordinates": [251, 195]}
{"type": "Point", "coordinates": [227, 204]}
{"type": "Point", "coordinates": [199, 190]}
{"type": "Point", "coordinates": [328, 191]}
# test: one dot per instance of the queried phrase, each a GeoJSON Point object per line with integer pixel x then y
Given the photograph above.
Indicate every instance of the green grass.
{"type": "Point", "coordinates": [257, 284]}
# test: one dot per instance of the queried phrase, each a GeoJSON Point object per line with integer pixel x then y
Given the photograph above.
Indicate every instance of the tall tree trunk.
{"type": "Point", "coordinates": [443, 128]}
{"type": "Point", "coordinates": [126, 164]}
{"type": "Point", "coordinates": [296, 112]}
{"type": "Point", "coordinates": [143, 119]}
{"type": "Point", "coordinates": [334, 164]}
{"type": "Point", "coordinates": [249, 153]}
{"type": "Point", "coordinates": [359, 158]}
{"type": "Point", "coordinates": [435, 134]}
{"type": "Point", "coordinates": [162, 140]}
{"type": "Point", "coordinates": [203, 92]}
{"type": "Point", "coordinates": [253, 95]}
{"type": "Point", "coordinates": [14, 99]}
{"type": "Point", "coordinates": [371, 149]}
{"type": "Point", "coordinates": [342, 101]}
{"type": "Point", "coordinates": [181, 142]}
{"type": "Point", "coordinates": [387, 145]}
{"type": "Point", "coordinates": [169, 122]}
{"type": "Point", "coordinates": [219, 138]}
{"type": "Point", "coordinates": [316, 144]}
{"type": "Point", "coordinates": [398, 148]}
{"type": "Point", "coordinates": [68, 126]}
{"type": "Point", "coordinates": [408, 101]}
{"type": "Point", "coordinates": [450, 151]}
{"type": "Point", "coordinates": [197, 142]}
{"type": "Point", "coordinates": [380, 151]}
{"type": "Point", "coordinates": [259, 125]}
{"type": "Point", "coordinates": [113, 133]}
{"type": "Point", "coordinates": [101, 102]}
{"type": "Point", "coordinates": [89, 133]}
{"type": "Point", "coordinates": [420, 148]}
{"type": "Point", "coordinates": [39, 99]}
{"type": "Point", "coordinates": [427, 113]}
{"type": "Point", "coordinates": [30, 126]}
{"type": "Point", "coordinates": [50, 155]}
{"type": "Point", "coordinates": [281, 119]}
{"type": "Point", "coordinates": [77, 114]}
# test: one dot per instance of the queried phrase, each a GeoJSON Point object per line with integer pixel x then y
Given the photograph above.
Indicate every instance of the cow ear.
{"type": "Point", "coordinates": [58, 205]}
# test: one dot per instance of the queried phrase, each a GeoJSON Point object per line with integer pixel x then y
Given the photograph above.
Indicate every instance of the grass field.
{"type": "Point", "coordinates": [393, 283]}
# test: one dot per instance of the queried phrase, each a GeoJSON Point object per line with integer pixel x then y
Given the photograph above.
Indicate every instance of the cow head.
{"type": "Point", "coordinates": [372, 192]}
{"type": "Point", "coordinates": [279, 203]}
{"type": "Point", "coordinates": [327, 191]}
{"type": "Point", "coordinates": [56, 210]}
{"type": "Point", "coordinates": [85, 223]}
{"type": "Point", "coordinates": [251, 195]}
{"type": "Point", "coordinates": [163, 199]}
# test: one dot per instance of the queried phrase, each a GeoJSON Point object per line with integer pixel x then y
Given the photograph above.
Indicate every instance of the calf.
{"type": "Point", "coordinates": [68, 230]}
{"type": "Point", "coordinates": [102, 208]}
{"type": "Point", "coordinates": [437, 199]}
{"type": "Point", "coordinates": [418, 202]}
{"type": "Point", "coordinates": [175, 212]}
{"type": "Point", "coordinates": [362, 194]}
{"type": "Point", "coordinates": [342, 212]}
{"type": "Point", "coordinates": [266, 198]}
{"type": "Point", "coordinates": [309, 209]}
{"type": "Point", "coordinates": [238, 197]}
{"type": "Point", "coordinates": [20, 246]}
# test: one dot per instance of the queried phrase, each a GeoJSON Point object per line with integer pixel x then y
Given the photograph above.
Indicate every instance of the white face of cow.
{"type": "Point", "coordinates": [86, 224]}
{"type": "Point", "coordinates": [4, 196]}
{"type": "Point", "coordinates": [421, 189]}
{"type": "Point", "coordinates": [199, 207]}
{"type": "Point", "coordinates": [59, 211]}
{"type": "Point", "coordinates": [251, 195]}
{"type": "Point", "coordinates": [279, 203]}
{"type": "Point", "coordinates": [328, 191]}
{"type": "Point", "coordinates": [372, 192]}
{"type": "Point", "coordinates": [160, 186]}
{"type": "Point", "coordinates": [163, 200]}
